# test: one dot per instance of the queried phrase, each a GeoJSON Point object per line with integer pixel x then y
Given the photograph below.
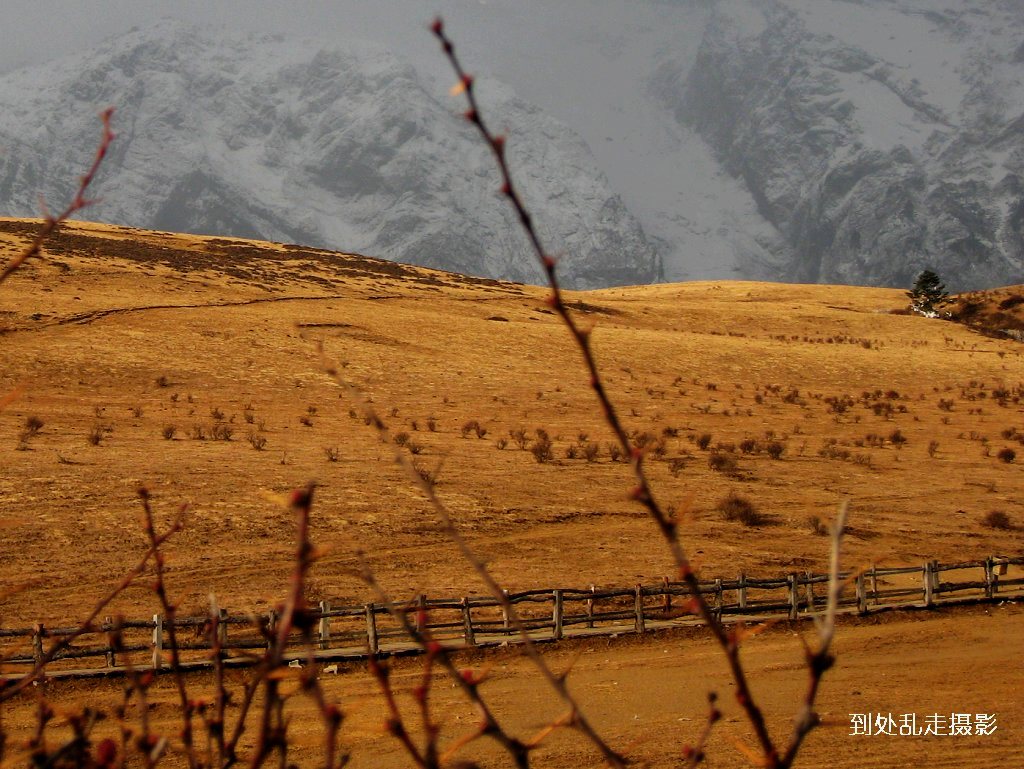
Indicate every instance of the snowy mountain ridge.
{"type": "Point", "coordinates": [843, 141]}
{"type": "Point", "coordinates": [272, 138]}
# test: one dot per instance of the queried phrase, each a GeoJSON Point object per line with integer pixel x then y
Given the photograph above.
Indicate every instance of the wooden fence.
{"type": "Point", "coordinates": [550, 614]}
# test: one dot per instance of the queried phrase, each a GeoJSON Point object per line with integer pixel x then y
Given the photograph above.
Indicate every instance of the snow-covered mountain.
{"type": "Point", "coordinates": [277, 138]}
{"type": "Point", "coordinates": [850, 141]}
{"type": "Point", "coordinates": [878, 137]}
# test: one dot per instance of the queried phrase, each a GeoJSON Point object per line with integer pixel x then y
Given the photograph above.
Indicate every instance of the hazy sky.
{"type": "Point", "coordinates": [36, 30]}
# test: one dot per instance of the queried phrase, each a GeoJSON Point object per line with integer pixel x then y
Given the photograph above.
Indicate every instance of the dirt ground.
{"type": "Point", "coordinates": [648, 698]}
{"type": "Point", "coordinates": [135, 349]}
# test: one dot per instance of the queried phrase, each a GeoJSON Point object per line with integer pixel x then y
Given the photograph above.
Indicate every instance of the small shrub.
{"type": "Point", "coordinates": [722, 463]}
{"type": "Point", "coordinates": [333, 454]}
{"type": "Point", "coordinates": [216, 413]}
{"type": "Point", "coordinates": [703, 441]}
{"type": "Point", "coordinates": [735, 507]}
{"type": "Point", "coordinates": [136, 411]}
{"type": "Point", "coordinates": [748, 446]}
{"type": "Point", "coordinates": [590, 451]}
{"type": "Point", "coordinates": [519, 436]}
{"type": "Point", "coordinates": [257, 441]}
{"type": "Point", "coordinates": [897, 438]}
{"type": "Point", "coordinates": [198, 433]}
{"type": "Point", "coordinates": [817, 525]}
{"type": "Point", "coordinates": [311, 410]}
{"type": "Point", "coordinates": [775, 449]}
{"type": "Point", "coordinates": [997, 519]}
{"type": "Point", "coordinates": [542, 449]}
{"type": "Point", "coordinates": [401, 438]}
{"type": "Point", "coordinates": [163, 381]}
{"type": "Point", "coordinates": [933, 446]}
{"type": "Point", "coordinates": [501, 443]}
{"type": "Point", "coordinates": [614, 452]}
{"type": "Point", "coordinates": [571, 451]}
{"type": "Point", "coordinates": [432, 424]}
{"type": "Point", "coordinates": [428, 477]}
{"type": "Point", "coordinates": [469, 427]}
{"type": "Point", "coordinates": [222, 432]}
{"type": "Point", "coordinates": [414, 448]}
{"type": "Point", "coordinates": [1006, 455]}
{"type": "Point", "coordinates": [169, 432]}
{"type": "Point", "coordinates": [33, 425]}
{"type": "Point", "coordinates": [95, 436]}
{"type": "Point", "coordinates": [306, 420]}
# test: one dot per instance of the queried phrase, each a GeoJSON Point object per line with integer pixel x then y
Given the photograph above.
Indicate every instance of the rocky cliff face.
{"type": "Point", "coordinates": [267, 137]}
{"type": "Point", "coordinates": [878, 137]}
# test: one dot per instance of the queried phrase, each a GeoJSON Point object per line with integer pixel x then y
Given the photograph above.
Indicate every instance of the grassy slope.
{"type": "Point", "coordinates": [89, 331]}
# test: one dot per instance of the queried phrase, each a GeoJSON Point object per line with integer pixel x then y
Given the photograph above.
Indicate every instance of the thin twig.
{"type": "Point", "coordinates": [642, 492]}
{"type": "Point", "coordinates": [170, 612]}
{"type": "Point", "coordinates": [78, 202]}
{"type": "Point", "coordinates": [9, 688]}
{"type": "Point", "coordinates": [557, 683]}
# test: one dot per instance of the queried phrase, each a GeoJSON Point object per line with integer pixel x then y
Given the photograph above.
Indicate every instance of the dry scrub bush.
{"type": "Point", "coordinates": [997, 519]}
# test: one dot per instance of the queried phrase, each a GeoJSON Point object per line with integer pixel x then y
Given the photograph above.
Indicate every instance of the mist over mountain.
{"type": "Point", "coordinates": [850, 141]}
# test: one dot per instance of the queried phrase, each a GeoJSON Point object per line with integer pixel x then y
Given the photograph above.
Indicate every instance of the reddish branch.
{"type": "Point", "coordinates": [78, 202]}
{"type": "Point", "coordinates": [641, 492]}
{"type": "Point", "coordinates": [575, 718]}
{"type": "Point", "coordinates": [9, 688]}
{"type": "Point", "coordinates": [170, 612]}
{"type": "Point", "coordinates": [470, 685]}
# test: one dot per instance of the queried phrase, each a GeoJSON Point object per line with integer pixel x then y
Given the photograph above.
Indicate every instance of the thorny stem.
{"type": "Point", "coordinates": [470, 687]}
{"type": "Point", "coordinates": [78, 202]}
{"type": "Point", "coordinates": [642, 492]}
{"type": "Point", "coordinates": [170, 611]}
{"type": "Point", "coordinates": [9, 689]}
{"type": "Point", "coordinates": [558, 683]}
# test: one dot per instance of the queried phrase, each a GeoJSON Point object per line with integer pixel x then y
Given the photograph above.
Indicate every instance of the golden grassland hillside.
{"type": "Point", "coordinates": [190, 365]}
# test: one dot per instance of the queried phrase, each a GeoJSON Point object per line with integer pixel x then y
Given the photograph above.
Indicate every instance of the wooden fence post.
{"type": "Point", "coordinates": [506, 621]}
{"type": "Point", "coordinates": [926, 578]}
{"type": "Point", "coordinates": [556, 614]}
{"type": "Point", "coordinates": [719, 597]}
{"type": "Point", "coordinates": [794, 596]}
{"type": "Point", "coordinates": [109, 622]}
{"type": "Point", "coordinates": [809, 576]}
{"type": "Point", "coordinates": [421, 612]}
{"type": "Point", "coordinates": [741, 591]}
{"type": "Point", "coordinates": [324, 626]}
{"type": "Point", "coordinates": [590, 607]}
{"type": "Point", "coordinates": [467, 623]}
{"type": "Point", "coordinates": [158, 641]}
{"type": "Point", "coordinates": [271, 627]}
{"type": "Point", "coordinates": [668, 596]}
{"type": "Point", "coordinates": [222, 628]}
{"type": "Point", "coordinates": [862, 598]}
{"type": "Point", "coordinates": [638, 607]}
{"type": "Point", "coordinates": [38, 631]}
{"type": "Point", "coordinates": [989, 577]}
{"type": "Point", "coordinates": [371, 629]}
{"type": "Point", "coordinates": [874, 585]}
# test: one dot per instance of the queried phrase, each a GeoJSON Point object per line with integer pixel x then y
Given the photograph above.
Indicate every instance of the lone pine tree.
{"type": "Point", "coordinates": [928, 294]}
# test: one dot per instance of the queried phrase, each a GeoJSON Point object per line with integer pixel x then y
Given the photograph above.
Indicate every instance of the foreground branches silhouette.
{"type": "Point", "coordinates": [818, 660]}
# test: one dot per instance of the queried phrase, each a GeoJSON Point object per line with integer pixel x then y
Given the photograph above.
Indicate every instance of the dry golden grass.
{"type": "Point", "coordinates": [122, 333]}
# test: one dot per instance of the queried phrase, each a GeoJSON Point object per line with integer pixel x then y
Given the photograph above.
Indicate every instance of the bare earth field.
{"type": "Point", "coordinates": [134, 349]}
{"type": "Point", "coordinates": [648, 698]}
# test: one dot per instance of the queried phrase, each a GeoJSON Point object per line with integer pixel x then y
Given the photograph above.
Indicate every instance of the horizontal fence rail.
{"type": "Point", "coordinates": [550, 614]}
